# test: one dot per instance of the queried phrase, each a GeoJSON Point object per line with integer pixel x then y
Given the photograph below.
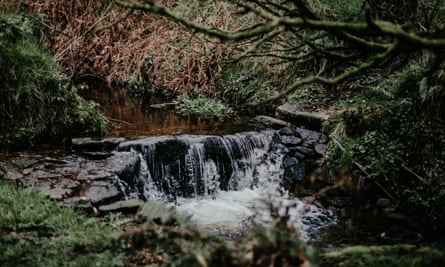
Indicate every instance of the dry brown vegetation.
{"type": "Point", "coordinates": [87, 41]}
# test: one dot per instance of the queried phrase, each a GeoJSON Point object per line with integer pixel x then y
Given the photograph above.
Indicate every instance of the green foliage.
{"type": "Point", "coordinates": [35, 103]}
{"type": "Point", "coordinates": [402, 83]}
{"type": "Point", "coordinates": [142, 92]}
{"type": "Point", "coordinates": [35, 231]}
{"type": "Point", "coordinates": [247, 82]}
{"type": "Point", "coordinates": [288, 250]}
{"type": "Point", "coordinates": [87, 117]}
{"type": "Point", "coordinates": [388, 256]}
{"type": "Point", "coordinates": [398, 148]}
{"type": "Point", "coordinates": [306, 94]}
{"type": "Point", "coordinates": [342, 10]}
{"type": "Point", "coordinates": [430, 13]}
{"type": "Point", "coordinates": [165, 233]}
{"type": "Point", "coordinates": [205, 107]}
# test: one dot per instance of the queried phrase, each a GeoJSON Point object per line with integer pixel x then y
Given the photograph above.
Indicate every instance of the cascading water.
{"type": "Point", "coordinates": [224, 183]}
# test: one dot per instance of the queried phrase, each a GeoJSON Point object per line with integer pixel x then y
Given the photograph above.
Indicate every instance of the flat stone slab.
{"type": "Point", "coordinates": [313, 120]}
{"type": "Point", "coordinates": [102, 191]}
{"type": "Point", "coordinates": [90, 144]}
{"type": "Point", "coordinates": [72, 179]}
{"type": "Point", "coordinates": [124, 206]}
{"type": "Point", "coordinates": [269, 122]}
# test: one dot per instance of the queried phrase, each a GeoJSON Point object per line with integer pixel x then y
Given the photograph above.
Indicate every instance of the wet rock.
{"type": "Point", "coordinates": [310, 137]}
{"type": "Point", "coordinates": [295, 153]}
{"type": "Point", "coordinates": [13, 175]}
{"type": "Point", "coordinates": [124, 206]}
{"type": "Point", "coordinates": [320, 148]}
{"type": "Point", "coordinates": [290, 140]}
{"type": "Point", "coordinates": [324, 139]}
{"type": "Point", "coordinates": [269, 122]}
{"type": "Point", "coordinates": [89, 144]}
{"type": "Point", "coordinates": [100, 192]}
{"type": "Point", "coordinates": [289, 162]}
{"type": "Point", "coordinates": [57, 193]}
{"type": "Point", "coordinates": [286, 131]}
{"type": "Point", "coordinates": [172, 150]}
{"type": "Point", "coordinates": [59, 189]}
{"type": "Point", "coordinates": [100, 175]}
{"type": "Point", "coordinates": [45, 175]}
{"type": "Point", "coordinates": [28, 171]}
{"type": "Point", "coordinates": [23, 163]}
{"type": "Point", "coordinates": [96, 155]}
{"type": "Point", "coordinates": [125, 165]}
{"type": "Point", "coordinates": [294, 171]}
{"type": "Point", "coordinates": [306, 151]}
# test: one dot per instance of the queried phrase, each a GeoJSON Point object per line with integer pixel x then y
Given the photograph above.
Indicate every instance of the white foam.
{"type": "Point", "coordinates": [233, 212]}
{"type": "Point", "coordinates": [224, 212]}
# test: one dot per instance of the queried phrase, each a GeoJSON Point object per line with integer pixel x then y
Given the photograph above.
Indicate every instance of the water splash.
{"type": "Point", "coordinates": [225, 183]}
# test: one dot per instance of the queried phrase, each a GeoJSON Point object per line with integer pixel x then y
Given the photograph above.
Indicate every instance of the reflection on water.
{"type": "Point", "coordinates": [127, 119]}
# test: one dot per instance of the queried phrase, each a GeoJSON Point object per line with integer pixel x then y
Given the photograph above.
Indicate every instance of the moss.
{"type": "Point", "coordinates": [397, 256]}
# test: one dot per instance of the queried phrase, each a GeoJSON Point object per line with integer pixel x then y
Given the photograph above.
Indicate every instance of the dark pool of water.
{"type": "Point", "coordinates": [129, 119]}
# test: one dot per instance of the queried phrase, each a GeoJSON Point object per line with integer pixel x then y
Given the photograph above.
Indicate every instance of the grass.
{"type": "Point", "coordinates": [388, 256]}
{"type": "Point", "coordinates": [35, 231]}
{"type": "Point", "coordinates": [204, 107]}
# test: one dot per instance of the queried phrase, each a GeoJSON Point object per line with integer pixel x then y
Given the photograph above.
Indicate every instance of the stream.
{"type": "Point", "coordinates": [225, 177]}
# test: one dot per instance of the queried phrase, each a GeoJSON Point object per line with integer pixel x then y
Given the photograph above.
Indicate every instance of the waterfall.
{"type": "Point", "coordinates": [223, 182]}
{"type": "Point", "coordinates": [190, 166]}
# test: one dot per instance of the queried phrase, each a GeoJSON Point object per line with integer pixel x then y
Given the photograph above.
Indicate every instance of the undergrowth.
{"type": "Point", "coordinates": [36, 104]}
{"type": "Point", "coordinates": [97, 38]}
{"type": "Point", "coordinates": [392, 146]}
{"type": "Point", "coordinates": [35, 231]}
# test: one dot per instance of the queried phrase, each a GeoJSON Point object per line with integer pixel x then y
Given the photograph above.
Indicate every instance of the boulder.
{"type": "Point", "coordinates": [309, 136]}
{"type": "Point", "coordinates": [294, 171]}
{"type": "Point", "coordinates": [286, 131]}
{"type": "Point", "coordinates": [306, 151]}
{"type": "Point", "coordinates": [290, 141]}
{"type": "Point", "coordinates": [320, 148]}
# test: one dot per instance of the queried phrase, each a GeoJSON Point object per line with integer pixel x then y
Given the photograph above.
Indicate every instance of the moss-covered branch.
{"type": "Point", "coordinates": [367, 43]}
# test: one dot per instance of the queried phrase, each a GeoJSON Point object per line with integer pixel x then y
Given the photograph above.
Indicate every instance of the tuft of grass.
{"type": "Point", "coordinates": [204, 107]}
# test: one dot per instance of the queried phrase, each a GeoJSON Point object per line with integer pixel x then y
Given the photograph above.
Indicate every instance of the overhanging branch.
{"type": "Point", "coordinates": [372, 62]}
